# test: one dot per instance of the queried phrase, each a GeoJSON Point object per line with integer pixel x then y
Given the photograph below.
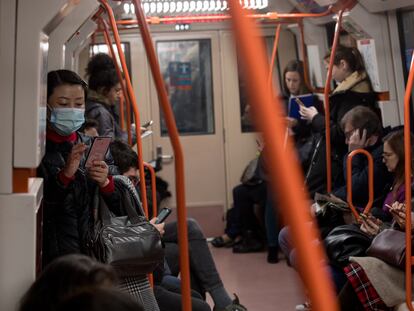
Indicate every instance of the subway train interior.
{"type": "Point", "coordinates": [227, 109]}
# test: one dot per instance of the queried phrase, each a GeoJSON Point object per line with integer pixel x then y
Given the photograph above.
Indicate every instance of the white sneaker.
{"type": "Point", "coordinates": [303, 307]}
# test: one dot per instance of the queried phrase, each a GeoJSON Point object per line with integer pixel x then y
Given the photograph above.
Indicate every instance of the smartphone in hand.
{"type": "Point", "coordinates": [163, 214]}
{"type": "Point", "coordinates": [98, 150]}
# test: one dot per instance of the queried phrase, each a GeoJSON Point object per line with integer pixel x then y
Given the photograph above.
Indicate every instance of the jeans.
{"type": "Point", "coordinates": [202, 267]}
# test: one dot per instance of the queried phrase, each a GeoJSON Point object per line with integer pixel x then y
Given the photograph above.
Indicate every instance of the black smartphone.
{"type": "Point", "coordinates": [98, 150]}
{"type": "Point", "coordinates": [148, 124]}
{"type": "Point", "coordinates": [163, 214]}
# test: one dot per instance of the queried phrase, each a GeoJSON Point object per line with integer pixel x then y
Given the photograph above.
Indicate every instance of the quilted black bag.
{"type": "Point", "coordinates": [128, 243]}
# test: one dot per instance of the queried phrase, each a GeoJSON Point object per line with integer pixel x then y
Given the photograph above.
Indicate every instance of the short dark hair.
{"type": "Point", "coordinates": [98, 299]}
{"type": "Point", "coordinates": [60, 77]}
{"type": "Point", "coordinates": [295, 66]}
{"type": "Point", "coordinates": [91, 123]}
{"type": "Point", "coordinates": [361, 117]}
{"type": "Point", "coordinates": [123, 155]}
{"type": "Point", "coordinates": [63, 277]}
{"type": "Point", "coordinates": [101, 73]}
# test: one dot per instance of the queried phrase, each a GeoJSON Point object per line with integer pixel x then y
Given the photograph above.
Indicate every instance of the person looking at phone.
{"type": "Point", "coordinates": [204, 275]}
{"type": "Point", "coordinates": [353, 89]}
{"type": "Point", "coordinates": [68, 187]}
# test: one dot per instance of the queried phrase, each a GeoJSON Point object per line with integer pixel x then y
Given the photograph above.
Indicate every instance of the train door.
{"type": "Point", "coordinates": [190, 65]}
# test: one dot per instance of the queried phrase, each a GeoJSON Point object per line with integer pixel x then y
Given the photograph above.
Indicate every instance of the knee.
{"type": "Point", "coordinates": [194, 229]}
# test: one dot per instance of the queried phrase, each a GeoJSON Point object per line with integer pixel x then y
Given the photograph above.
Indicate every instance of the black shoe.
{"type": "Point", "coordinates": [249, 244]}
{"type": "Point", "coordinates": [235, 306]}
{"type": "Point", "coordinates": [273, 254]}
{"type": "Point", "coordinates": [219, 242]}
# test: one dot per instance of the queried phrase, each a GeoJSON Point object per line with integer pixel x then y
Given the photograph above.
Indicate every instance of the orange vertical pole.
{"type": "Point", "coordinates": [108, 42]}
{"type": "Point", "coordinates": [305, 57]}
{"type": "Point", "coordinates": [133, 102]}
{"type": "Point", "coordinates": [327, 106]}
{"type": "Point", "coordinates": [370, 181]}
{"type": "Point", "coordinates": [153, 189]}
{"type": "Point", "coordinates": [178, 156]}
{"type": "Point", "coordinates": [408, 177]}
{"type": "Point", "coordinates": [282, 163]}
{"type": "Point", "coordinates": [274, 53]}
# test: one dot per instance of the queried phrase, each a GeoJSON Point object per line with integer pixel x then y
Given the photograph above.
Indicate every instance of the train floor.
{"type": "Point", "coordinates": [259, 285]}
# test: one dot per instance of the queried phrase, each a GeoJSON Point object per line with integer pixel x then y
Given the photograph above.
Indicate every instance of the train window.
{"type": "Point", "coordinates": [245, 119]}
{"type": "Point", "coordinates": [187, 70]}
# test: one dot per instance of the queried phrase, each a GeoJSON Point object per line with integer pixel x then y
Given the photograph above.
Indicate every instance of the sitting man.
{"type": "Point", "coordinates": [202, 266]}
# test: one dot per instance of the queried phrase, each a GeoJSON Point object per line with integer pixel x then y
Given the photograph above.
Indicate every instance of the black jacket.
{"type": "Point", "coordinates": [67, 213]}
{"type": "Point", "coordinates": [382, 178]}
{"type": "Point", "coordinates": [354, 91]}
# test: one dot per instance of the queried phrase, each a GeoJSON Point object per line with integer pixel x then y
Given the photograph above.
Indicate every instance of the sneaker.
{"type": "Point", "coordinates": [304, 307]}
{"type": "Point", "coordinates": [234, 306]}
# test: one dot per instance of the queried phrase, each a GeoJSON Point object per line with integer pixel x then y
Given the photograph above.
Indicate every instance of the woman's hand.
{"type": "Point", "coordinates": [99, 173]}
{"type": "Point", "coordinates": [291, 122]}
{"type": "Point", "coordinates": [307, 113]}
{"type": "Point", "coordinates": [73, 160]}
{"type": "Point", "coordinates": [371, 225]}
{"type": "Point", "coordinates": [398, 213]}
{"type": "Point", "coordinates": [159, 227]}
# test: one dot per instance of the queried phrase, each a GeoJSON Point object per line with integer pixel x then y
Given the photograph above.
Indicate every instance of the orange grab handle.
{"type": "Point", "coordinates": [327, 105]}
{"type": "Point", "coordinates": [112, 21]}
{"type": "Point", "coordinates": [294, 203]}
{"type": "Point", "coordinates": [178, 156]}
{"type": "Point", "coordinates": [274, 53]}
{"type": "Point", "coordinates": [118, 72]}
{"type": "Point", "coordinates": [408, 177]}
{"type": "Point", "coordinates": [370, 181]}
{"type": "Point", "coordinates": [153, 189]}
{"type": "Point", "coordinates": [305, 58]}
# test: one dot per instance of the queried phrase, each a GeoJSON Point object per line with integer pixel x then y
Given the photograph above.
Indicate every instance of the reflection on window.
{"type": "Point", "coordinates": [245, 115]}
{"type": "Point", "coordinates": [186, 68]}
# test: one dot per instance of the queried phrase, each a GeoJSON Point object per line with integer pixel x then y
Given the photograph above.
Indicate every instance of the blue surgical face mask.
{"type": "Point", "coordinates": [65, 121]}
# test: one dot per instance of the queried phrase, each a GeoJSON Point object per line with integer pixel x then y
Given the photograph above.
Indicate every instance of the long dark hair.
{"type": "Point", "coordinates": [62, 77]}
{"type": "Point", "coordinates": [351, 55]}
{"type": "Point", "coordinates": [101, 73]}
{"type": "Point", "coordinates": [396, 142]}
{"type": "Point", "coordinates": [63, 277]}
{"type": "Point", "coordinates": [295, 66]}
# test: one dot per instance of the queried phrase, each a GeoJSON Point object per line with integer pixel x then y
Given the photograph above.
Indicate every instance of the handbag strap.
{"type": "Point", "coordinates": [128, 204]}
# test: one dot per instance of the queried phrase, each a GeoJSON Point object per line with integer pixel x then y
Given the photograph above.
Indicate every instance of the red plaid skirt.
{"type": "Point", "coordinates": [366, 293]}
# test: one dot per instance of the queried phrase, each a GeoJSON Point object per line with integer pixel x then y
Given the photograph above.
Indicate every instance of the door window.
{"type": "Point", "coordinates": [187, 71]}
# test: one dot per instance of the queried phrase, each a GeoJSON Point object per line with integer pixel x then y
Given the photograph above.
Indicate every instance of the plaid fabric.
{"type": "Point", "coordinates": [140, 289]}
{"type": "Point", "coordinates": [366, 293]}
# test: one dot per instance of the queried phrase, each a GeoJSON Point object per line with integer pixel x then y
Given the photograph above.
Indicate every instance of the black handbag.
{"type": "Point", "coordinates": [346, 241]}
{"type": "Point", "coordinates": [389, 246]}
{"type": "Point", "coordinates": [128, 243]}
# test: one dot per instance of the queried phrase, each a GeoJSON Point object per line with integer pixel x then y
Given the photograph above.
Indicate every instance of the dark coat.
{"type": "Point", "coordinates": [354, 91]}
{"type": "Point", "coordinates": [382, 178]}
{"type": "Point", "coordinates": [97, 108]}
{"type": "Point", "coordinates": [67, 212]}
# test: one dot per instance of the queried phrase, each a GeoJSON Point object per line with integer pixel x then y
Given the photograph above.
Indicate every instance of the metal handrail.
{"type": "Point", "coordinates": [408, 177]}
{"type": "Point", "coordinates": [274, 53]}
{"type": "Point", "coordinates": [327, 105]}
{"type": "Point", "coordinates": [370, 182]}
{"type": "Point", "coordinates": [153, 190]}
{"type": "Point", "coordinates": [125, 97]}
{"type": "Point", "coordinates": [293, 201]}
{"type": "Point", "coordinates": [131, 93]}
{"type": "Point", "coordinates": [178, 156]}
{"type": "Point", "coordinates": [305, 58]}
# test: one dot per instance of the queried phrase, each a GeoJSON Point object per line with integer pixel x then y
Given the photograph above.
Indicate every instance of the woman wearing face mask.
{"type": "Point", "coordinates": [68, 188]}
{"type": "Point", "coordinates": [104, 93]}
{"type": "Point", "coordinates": [353, 89]}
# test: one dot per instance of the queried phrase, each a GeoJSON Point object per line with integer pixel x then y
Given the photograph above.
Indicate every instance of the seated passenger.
{"type": "Point", "coordinates": [354, 89]}
{"type": "Point", "coordinates": [64, 277]}
{"type": "Point", "coordinates": [68, 186]}
{"type": "Point", "coordinates": [104, 93]}
{"type": "Point", "coordinates": [90, 128]}
{"type": "Point", "coordinates": [202, 266]}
